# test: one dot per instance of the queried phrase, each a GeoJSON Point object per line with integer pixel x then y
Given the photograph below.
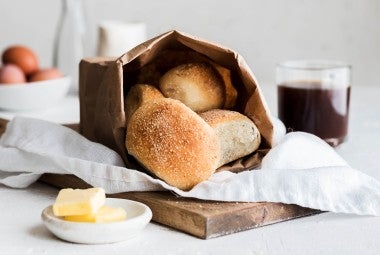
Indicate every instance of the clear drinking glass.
{"type": "Point", "coordinates": [314, 97]}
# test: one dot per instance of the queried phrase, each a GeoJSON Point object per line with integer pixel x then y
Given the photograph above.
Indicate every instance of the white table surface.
{"type": "Point", "coordinates": [22, 232]}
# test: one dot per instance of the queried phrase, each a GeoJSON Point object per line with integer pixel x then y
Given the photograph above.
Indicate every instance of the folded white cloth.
{"type": "Point", "coordinates": [301, 169]}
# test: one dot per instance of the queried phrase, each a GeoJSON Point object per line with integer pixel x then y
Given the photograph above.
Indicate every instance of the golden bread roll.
{"type": "Point", "coordinates": [138, 95]}
{"type": "Point", "coordinates": [173, 142]}
{"type": "Point", "coordinates": [164, 61]}
{"type": "Point", "coordinates": [237, 134]}
{"type": "Point", "coordinates": [197, 85]}
{"type": "Point", "coordinates": [231, 92]}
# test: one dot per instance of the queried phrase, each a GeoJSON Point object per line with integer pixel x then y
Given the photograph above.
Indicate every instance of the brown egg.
{"type": "Point", "coordinates": [11, 74]}
{"type": "Point", "coordinates": [21, 56]}
{"type": "Point", "coordinates": [45, 74]}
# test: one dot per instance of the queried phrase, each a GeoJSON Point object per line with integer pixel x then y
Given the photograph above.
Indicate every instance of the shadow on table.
{"type": "Point", "coordinates": [41, 232]}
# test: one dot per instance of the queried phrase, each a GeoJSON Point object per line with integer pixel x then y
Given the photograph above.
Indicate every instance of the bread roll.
{"type": "Point", "coordinates": [173, 142]}
{"type": "Point", "coordinates": [237, 134]}
{"type": "Point", "coordinates": [231, 92]}
{"type": "Point", "coordinates": [138, 95]}
{"type": "Point", "coordinates": [166, 60]}
{"type": "Point", "coordinates": [197, 85]}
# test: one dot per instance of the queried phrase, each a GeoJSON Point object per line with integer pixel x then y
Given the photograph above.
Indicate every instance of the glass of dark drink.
{"type": "Point", "coordinates": [314, 97]}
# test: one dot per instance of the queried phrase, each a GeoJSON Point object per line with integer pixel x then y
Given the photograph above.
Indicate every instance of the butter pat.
{"type": "Point", "coordinates": [104, 215]}
{"type": "Point", "coordinates": [78, 201]}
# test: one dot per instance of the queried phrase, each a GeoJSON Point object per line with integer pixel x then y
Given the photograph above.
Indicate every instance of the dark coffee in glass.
{"type": "Point", "coordinates": [314, 97]}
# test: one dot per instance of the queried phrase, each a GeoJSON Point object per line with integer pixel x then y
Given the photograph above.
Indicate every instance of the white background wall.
{"type": "Point", "coordinates": [264, 32]}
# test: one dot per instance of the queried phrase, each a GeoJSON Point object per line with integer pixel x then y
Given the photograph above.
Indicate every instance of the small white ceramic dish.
{"type": "Point", "coordinates": [138, 216]}
{"type": "Point", "coordinates": [33, 95]}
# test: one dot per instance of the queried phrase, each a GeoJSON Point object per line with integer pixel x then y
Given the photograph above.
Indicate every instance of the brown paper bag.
{"type": "Point", "coordinates": [104, 83]}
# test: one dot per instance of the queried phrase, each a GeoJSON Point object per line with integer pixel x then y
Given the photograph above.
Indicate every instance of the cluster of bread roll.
{"type": "Point", "coordinates": [182, 130]}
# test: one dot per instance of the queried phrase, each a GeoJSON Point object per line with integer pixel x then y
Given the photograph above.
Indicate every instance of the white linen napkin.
{"type": "Point", "coordinates": [302, 169]}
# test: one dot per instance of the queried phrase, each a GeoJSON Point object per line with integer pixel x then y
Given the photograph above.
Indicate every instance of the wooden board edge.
{"type": "Point", "coordinates": [175, 217]}
{"type": "Point", "coordinates": [242, 220]}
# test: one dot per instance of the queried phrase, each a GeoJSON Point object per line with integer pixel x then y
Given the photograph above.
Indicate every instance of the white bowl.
{"type": "Point", "coordinates": [138, 216]}
{"type": "Point", "coordinates": [33, 95]}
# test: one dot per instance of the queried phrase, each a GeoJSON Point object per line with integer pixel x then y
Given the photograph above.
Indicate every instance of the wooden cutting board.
{"type": "Point", "coordinates": [203, 219]}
